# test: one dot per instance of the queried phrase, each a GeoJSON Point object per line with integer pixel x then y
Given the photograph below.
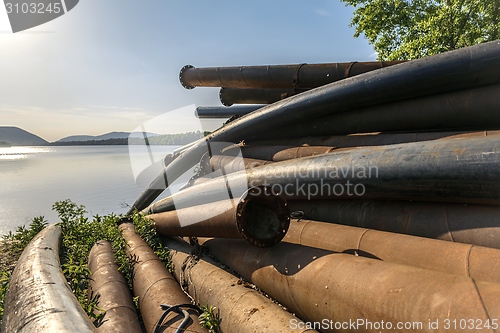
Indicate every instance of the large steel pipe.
{"type": "Point", "coordinates": [466, 109]}
{"type": "Point", "coordinates": [459, 69]}
{"type": "Point", "coordinates": [154, 286]}
{"type": "Point", "coordinates": [476, 262]}
{"type": "Point", "coordinates": [39, 298]}
{"type": "Point", "coordinates": [230, 96]}
{"type": "Point", "coordinates": [224, 112]}
{"type": "Point", "coordinates": [470, 224]}
{"type": "Point", "coordinates": [317, 285]}
{"type": "Point", "coordinates": [110, 288]}
{"type": "Point", "coordinates": [299, 76]}
{"type": "Point", "coordinates": [262, 219]}
{"type": "Point", "coordinates": [232, 164]}
{"type": "Point", "coordinates": [452, 170]}
{"type": "Point", "coordinates": [358, 140]}
{"type": "Point", "coordinates": [242, 310]}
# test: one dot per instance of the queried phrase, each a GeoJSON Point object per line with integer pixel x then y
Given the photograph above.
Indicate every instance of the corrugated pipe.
{"type": "Point", "coordinates": [297, 76]}
{"type": "Point", "coordinates": [112, 292]}
{"type": "Point", "coordinates": [476, 262]}
{"type": "Point", "coordinates": [470, 224]}
{"type": "Point", "coordinates": [452, 170]}
{"type": "Point", "coordinates": [39, 298]}
{"type": "Point", "coordinates": [474, 66]}
{"type": "Point", "coordinates": [154, 286]}
{"type": "Point", "coordinates": [242, 309]}
{"type": "Point", "coordinates": [357, 293]}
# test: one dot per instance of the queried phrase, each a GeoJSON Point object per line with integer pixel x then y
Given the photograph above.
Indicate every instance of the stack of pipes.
{"type": "Point", "coordinates": [389, 173]}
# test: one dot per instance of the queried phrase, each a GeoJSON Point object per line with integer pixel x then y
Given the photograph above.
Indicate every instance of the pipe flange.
{"type": "Point", "coordinates": [262, 218]}
{"type": "Point", "coordinates": [181, 74]}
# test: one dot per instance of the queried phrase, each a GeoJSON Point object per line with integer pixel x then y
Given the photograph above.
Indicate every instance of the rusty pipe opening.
{"type": "Point", "coordinates": [262, 218]}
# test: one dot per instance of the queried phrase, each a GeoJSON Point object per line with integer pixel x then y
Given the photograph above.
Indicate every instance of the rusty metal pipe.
{"type": "Point", "coordinates": [299, 76]}
{"type": "Point", "coordinates": [464, 109]}
{"type": "Point", "coordinates": [459, 69]}
{"type": "Point", "coordinates": [112, 291]}
{"type": "Point", "coordinates": [476, 262]}
{"type": "Point", "coordinates": [317, 284]}
{"type": "Point", "coordinates": [154, 285]}
{"type": "Point", "coordinates": [258, 217]}
{"type": "Point", "coordinates": [470, 224]}
{"type": "Point", "coordinates": [230, 96]}
{"type": "Point", "coordinates": [358, 140]}
{"type": "Point", "coordinates": [449, 170]}
{"type": "Point", "coordinates": [242, 310]}
{"type": "Point", "coordinates": [39, 298]}
{"type": "Point", "coordinates": [232, 164]}
{"type": "Point", "coordinates": [224, 112]}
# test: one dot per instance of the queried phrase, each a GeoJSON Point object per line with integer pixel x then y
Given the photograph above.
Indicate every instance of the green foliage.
{"type": "Point", "coordinates": [147, 231]}
{"type": "Point", "coordinates": [410, 29]}
{"type": "Point", "coordinates": [79, 234]}
{"type": "Point", "coordinates": [4, 285]}
{"type": "Point", "coordinates": [210, 318]}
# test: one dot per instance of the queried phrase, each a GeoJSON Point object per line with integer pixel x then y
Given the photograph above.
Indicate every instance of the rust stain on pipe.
{"type": "Point", "coordinates": [477, 262]}
{"type": "Point", "coordinates": [298, 152]}
{"type": "Point", "coordinates": [470, 224]}
{"type": "Point", "coordinates": [318, 284]}
{"type": "Point", "coordinates": [232, 164]}
{"type": "Point", "coordinates": [155, 286]}
{"type": "Point", "coordinates": [259, 217]}
{"type": "Point", "coordinates": [111, 289]}
{"type": "Point", "coordinates": [242, 309]}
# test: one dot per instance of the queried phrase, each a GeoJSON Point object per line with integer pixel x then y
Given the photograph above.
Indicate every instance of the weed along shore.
{"type": "Point", "coordinates": [79, 235]}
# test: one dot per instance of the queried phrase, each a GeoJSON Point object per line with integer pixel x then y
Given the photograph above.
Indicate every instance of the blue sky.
{"type": "Point", "coordinates": [111, 65]}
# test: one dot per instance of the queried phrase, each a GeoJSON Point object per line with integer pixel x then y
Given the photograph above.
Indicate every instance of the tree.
{"type": "Point", "coordinates": [410, 29]}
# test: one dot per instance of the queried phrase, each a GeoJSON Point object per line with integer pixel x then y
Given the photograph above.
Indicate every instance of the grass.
{"type": "Point", "coordinates": [79, 234]}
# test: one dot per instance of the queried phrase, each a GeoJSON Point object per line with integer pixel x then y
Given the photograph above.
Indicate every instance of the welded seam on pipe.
{"type": "Point", "coordinates": [448, 223]}
{"type": "Point", "coordinates": [108, 282]}
{"type": "Point", "coordinates": [467, 262]}
{"type": "Point", "coordinates": [482, 302]}
{"type": "Point", "coordinates": [292, 295]}
{"type": "Point", "coordinates": [361, 238]}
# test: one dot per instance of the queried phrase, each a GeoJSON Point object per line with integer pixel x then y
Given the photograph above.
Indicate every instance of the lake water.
{"type": "Point", "coordinates": [98, 177]}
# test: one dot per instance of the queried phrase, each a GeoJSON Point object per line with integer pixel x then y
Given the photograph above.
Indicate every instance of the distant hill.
{"type": "Point", "coordinates": [107, 136]}
{"type": "Point", "coordinates": [16, 136]}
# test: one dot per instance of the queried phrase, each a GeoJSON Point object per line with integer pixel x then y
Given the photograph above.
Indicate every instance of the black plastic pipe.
{"type": "Point", "coordinates": [450, 170]}
{"type": "Point", "coordinates": [459, 69]}
{"type": "Point", "coordinates": [224, 112]}
{"type": "Point", "coordinates": [230, 96]}
{"type": "Point", "coordinates": [475, 108]}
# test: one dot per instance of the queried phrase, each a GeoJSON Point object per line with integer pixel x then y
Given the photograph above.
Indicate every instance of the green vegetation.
{"type": "Point", "coordinates": [210, 318]}
{"type": "Point", "coordinates": [410, 29]}
{"type": "Point", "coordinates": [79, 234]}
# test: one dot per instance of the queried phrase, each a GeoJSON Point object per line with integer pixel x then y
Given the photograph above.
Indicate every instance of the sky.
{"type": "Point", "coordinates": [113, 65]}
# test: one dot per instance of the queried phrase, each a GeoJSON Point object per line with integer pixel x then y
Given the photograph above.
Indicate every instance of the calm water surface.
{"type": "Point", "coordinates": [33, 178]}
